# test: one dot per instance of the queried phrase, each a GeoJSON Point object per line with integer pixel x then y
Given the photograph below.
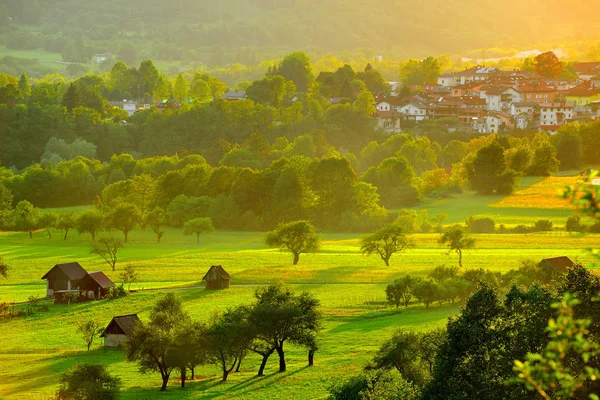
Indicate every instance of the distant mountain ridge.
{"type": "Point", "coordinates": [400, 27]}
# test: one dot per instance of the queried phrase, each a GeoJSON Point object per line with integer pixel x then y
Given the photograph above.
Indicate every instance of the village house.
{"type": "Point", "coordinates": [100, 58]}
{"type": "Point", "coordinates": [466, 89]}
{"type": "Point", "coordinates": [234, 95]}
{"type": "Point", "coordinates": [414, 111]}
{"type": "Point", "coordinates": [555, 114]}
{"type": "Point", "coordinates": [63, 277]}
{"type": "Point", "coordinates": [558, 264]}
{"type": "Point", "coordinates": [499, 98]}
{"type": "Point", "coordinates": [388, 121]}
{"type": "Point", "coordinates": [475, 74]}
{"type": "Point", "coordinates": [587, 70]}
{"type": "Point", "coordinates": [129, 106]}
{"type": "Point", "coordinates": [118, 329]}
{"type": "Point", "coordinates": [583, 94]}
{"type": "Point", "coordinates": [95, 285]}
{"type": "Point", "coordinates": [536, 92]}
{"type": "Point", "coordinates": [446, 80]}
{"type": "Point", "coordinates": [216, 278]}
{"type": "Point", "coordinates": [70, 280]}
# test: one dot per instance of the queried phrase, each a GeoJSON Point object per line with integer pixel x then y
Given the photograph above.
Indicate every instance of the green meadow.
{"type": "Point", "coordinates": [37, 349]}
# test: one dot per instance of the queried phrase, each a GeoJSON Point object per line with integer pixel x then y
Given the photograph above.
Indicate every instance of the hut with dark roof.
{"type": "Point", "coordinates": [63, 277]}
{"type": "Point", "coordinates": [217, 278]}
{"type": "Point", "coordinates": [95, 285]}
{"type": "Point", "coordinates": [118, 329]}
{"type": "Point", "coordinates": [558, 264]}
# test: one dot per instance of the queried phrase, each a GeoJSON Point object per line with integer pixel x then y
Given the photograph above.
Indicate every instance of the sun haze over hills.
{"type": "Point", "coordinates": [404, 28]}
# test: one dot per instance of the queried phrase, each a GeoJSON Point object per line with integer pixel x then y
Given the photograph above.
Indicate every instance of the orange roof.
{"type": "Point", "coordinates": [586, 89]}
{"type": "Point", "coordinates": [585, 67]}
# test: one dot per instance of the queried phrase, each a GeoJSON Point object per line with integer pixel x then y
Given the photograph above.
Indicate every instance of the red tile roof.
{"type": "Point", "coordinates": [585, 67]}
{"type": "Point", "coordinates": [586, 89]}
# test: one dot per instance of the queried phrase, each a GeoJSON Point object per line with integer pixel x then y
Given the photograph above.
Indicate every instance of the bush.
{"type": "Point", "coordinates": [574, 224]}
{"type": "Point", "coordinates": [594, 228]}
{"type": "Point", "coordinates": [543, 225]}
{"type": "Point", "coordinates": [88, 381]}
{"type": "Point", "coordinates": [350, 389]}
{"type": "Point", "coordinates": [116, 292]}
{"type": "Point", "coordinates": [481, 225]}
{"type": "Point", "coordinates": [521, 229]}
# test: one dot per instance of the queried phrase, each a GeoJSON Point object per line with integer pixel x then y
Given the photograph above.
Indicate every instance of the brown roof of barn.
{"type": "Point", "coordinates": [125, 324]}
{"type": "Point", "coordinates": [559, 264]}
{"type": "Point", "coordinates": [102, 280]}
{"type": "Point", "coordinates": [219, 271]}
{"type": "Point", "coordinates": [72, 270]}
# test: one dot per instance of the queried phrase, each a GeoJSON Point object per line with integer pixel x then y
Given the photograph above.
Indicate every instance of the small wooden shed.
{"type": "Point", "coordinates": [118, 329]}
{"type": "Point", "coordinates": [558, 264]}
{"type": "Point", "coordinates": [217, 278]}
{"type": "Point", "coordinates": [63, 277]}
{"type": "Point", "coordinates": [95, 285]}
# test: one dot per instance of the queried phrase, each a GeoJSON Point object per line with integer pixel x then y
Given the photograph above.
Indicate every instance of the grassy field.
{"type": "Point", "coordinates": [37, 349]}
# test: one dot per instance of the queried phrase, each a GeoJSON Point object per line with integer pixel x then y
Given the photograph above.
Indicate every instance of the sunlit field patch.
{"type": "Point", "coordinates": [543, 194]}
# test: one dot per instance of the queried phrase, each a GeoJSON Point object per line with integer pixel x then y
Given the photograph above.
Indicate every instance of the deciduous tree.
{"type": "Point", "coordinates": [296, 237]}
{"type": "Point", "coordinates": [457, 240]}
{"type": "Point", "coordinates": [198, 226]}
{"type": "Point", "coordinates": [107, 248]}
{"type": "Point", "coordinates": [385, 242]}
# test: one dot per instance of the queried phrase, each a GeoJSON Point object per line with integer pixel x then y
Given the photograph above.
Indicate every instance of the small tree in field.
{"type": "Point", "coordinates": [458, 241]}
{"type": "Point", "coordinates": [296, 237]}
{"type": "Point", "coordinates": [198, 226]}
{"type": "Point", "coordinates": [124, 217]}
{"type": "Point", "coordinates": [66, 222]}
{"type": "Point", "coordinates": [155, 219]}
{"type": "Point", "coordinates": [89, 330]}
{"type": "Point", "coordinates": [129, 275]}
{"type": "Point", "coordinates": [91, 221]}
{"type": "Point", "coordinates": [400, 291]}
{"type": "Point", "coordinates": [88, 381]}
{"type": "Point", "coordinates": [385, 242]}
{"type": "Point", "coordinates": [107, 248]}
{"type": "Point", "coordinates": [47, 221]}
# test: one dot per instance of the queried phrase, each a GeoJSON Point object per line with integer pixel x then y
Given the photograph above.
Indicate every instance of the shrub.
{"type": "Point", "coordinates": [521, 229]}
{"type": "Point", "coordinates": [542, 225]}
{"type": "Point", "coordinates": [426, 292]}
{"type": "Point", "coordinates": [350, 389]}
{"type": "Point", "coordinates": [481, 225]}
{"type": "Point", "coordinates": [574, 224]}
{"type": "Point", "coordinates": [116, 292]}
{"type": "Point", "coordinates": [594, 228]}
{"type": "Point", "coordinates": [88, 381]}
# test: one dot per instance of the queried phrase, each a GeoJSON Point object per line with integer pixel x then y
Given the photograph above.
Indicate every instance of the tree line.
{"type": "Point", "coordinates": [478, 353]}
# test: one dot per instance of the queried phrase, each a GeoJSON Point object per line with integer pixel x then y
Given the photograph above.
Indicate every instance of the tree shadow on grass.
{"type": "Point", "coordinates": [50, 370]}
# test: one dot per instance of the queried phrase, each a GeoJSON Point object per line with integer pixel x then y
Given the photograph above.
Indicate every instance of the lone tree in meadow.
{"type": "Point", "coordinates": [281, 316]}
{"type": "Point", "coordinates": [385, 242]}
{"type": "Point", "coordinates": [66, 222]}
{"type": "Point", "coordinates": [296, 237]}
{"type": "Point", "coordinates": [458, 241]}
{"type": "Point", "coordinates": [155, 219]}
{"type": "Point", "coordinates": [124, 217]}
{"type": "Point", "coordinates": [91, 221]}
{"type": "Point", "coordinates": [107, 247]}
{"type": "Point", "coordinates": [198, 226]}
{"type": "Point", "coordinates": [89, 330]}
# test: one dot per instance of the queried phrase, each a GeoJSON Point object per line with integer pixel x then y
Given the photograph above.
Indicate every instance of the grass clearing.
{"type": "Point", "coordinates": [39, 348]}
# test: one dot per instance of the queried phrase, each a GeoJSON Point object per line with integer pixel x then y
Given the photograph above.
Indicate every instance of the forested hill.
{"type": "Point", "coordinates": [177, 29]}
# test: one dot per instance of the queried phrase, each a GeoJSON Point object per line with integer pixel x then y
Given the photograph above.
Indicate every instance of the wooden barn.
{"type": "Point", "coordinates": [217, 278]}
{"type": "Point", "coordinates": [63, 277]}
{"type": "Point", "coordinates": [558, 264]}
{"type": "Point", "coordinates": [118, 329]}
{"type": "Point", "coordinates": [95, 285]}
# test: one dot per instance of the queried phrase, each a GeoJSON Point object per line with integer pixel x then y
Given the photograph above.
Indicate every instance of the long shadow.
{"type": "Point", "coordinates": [49, 373]}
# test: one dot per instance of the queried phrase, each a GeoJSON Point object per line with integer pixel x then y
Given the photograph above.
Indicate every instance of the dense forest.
{"type": "Point", "coordinates": [247, 31]}
{"type": "Point", "coordinates": [285, 153]}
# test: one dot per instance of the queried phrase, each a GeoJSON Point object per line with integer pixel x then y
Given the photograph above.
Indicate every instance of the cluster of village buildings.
{"type": "Point", "coordinates": [488, 100]}
{"type": "Point", "coordinates": [482, 100]}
